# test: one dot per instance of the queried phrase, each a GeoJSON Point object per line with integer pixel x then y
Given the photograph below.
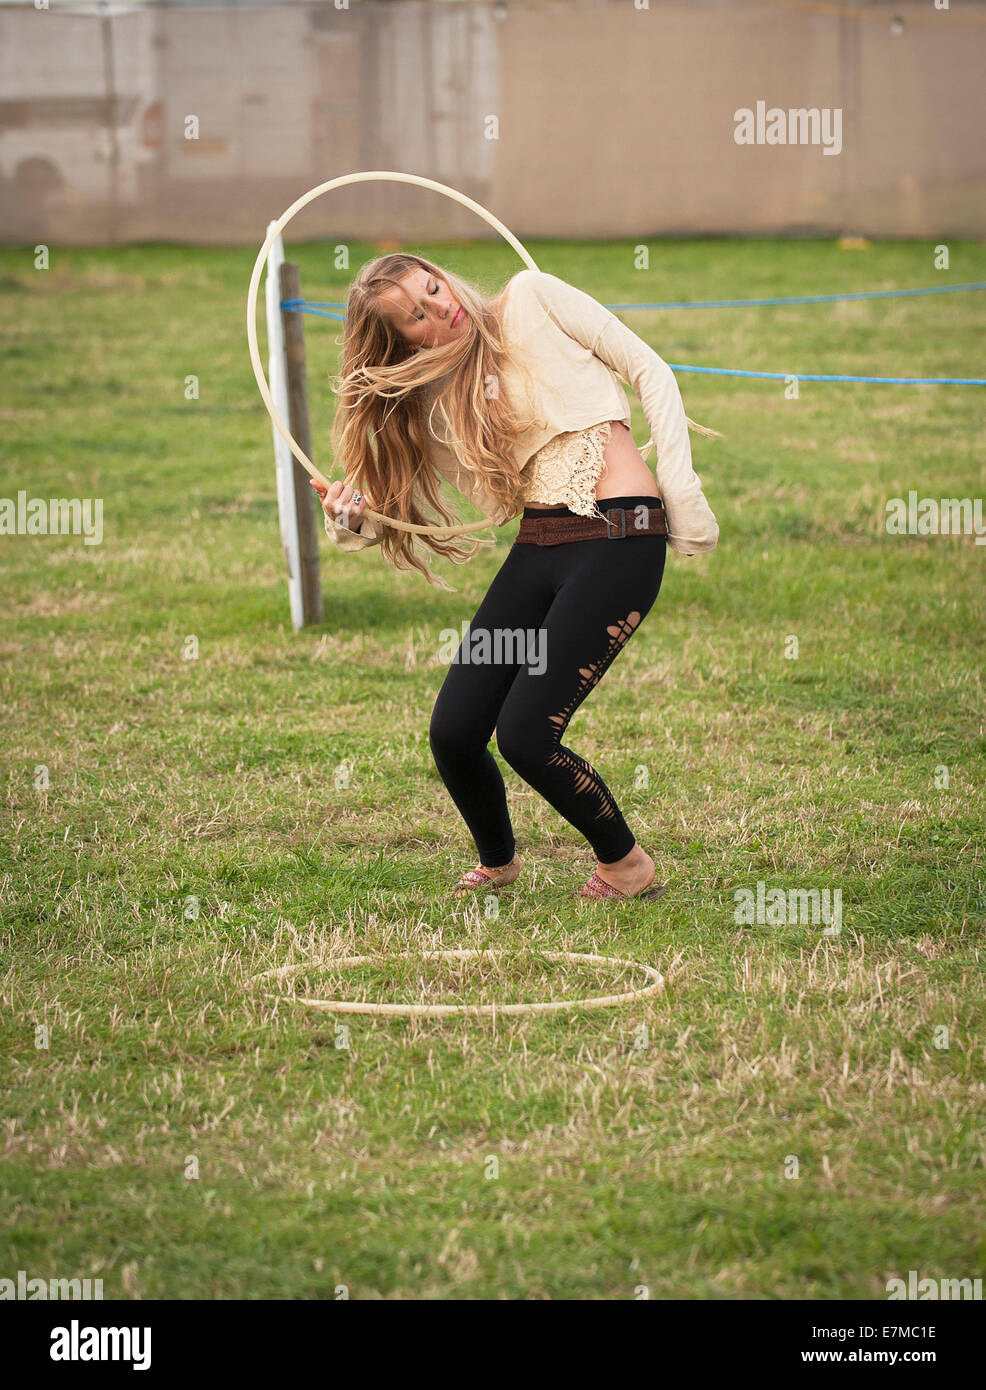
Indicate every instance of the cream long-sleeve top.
{"type": "Point", "coordinates": [577, 353]}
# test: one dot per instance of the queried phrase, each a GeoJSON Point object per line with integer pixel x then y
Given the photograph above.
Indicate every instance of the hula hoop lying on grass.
{"type": "Point", "coordinates": [258, 370]}
{"type": "Point", "coordinates": [348, 1006]}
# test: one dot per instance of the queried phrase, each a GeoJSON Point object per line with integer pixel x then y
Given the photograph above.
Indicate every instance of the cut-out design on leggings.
{"type": "Point", "coordinates": [586, 778]}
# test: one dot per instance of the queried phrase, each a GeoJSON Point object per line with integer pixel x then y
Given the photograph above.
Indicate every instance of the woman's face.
{"type": "Point", "coordinates": [423, 309]}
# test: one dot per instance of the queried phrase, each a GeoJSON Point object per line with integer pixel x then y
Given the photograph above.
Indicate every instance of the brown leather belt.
{"type": "Point", "coordinates": [623, 522]}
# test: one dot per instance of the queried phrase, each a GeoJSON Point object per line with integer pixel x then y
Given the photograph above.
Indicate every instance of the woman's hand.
{"type": "Point", "coordinates": [337, 502]}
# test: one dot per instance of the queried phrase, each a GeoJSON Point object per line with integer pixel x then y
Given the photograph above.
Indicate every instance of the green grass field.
{"type": "Point", "coordinates": [584, 1155]}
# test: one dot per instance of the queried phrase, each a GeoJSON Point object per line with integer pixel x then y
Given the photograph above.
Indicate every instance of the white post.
{"type": "Point", "coordinates": [277, 370]}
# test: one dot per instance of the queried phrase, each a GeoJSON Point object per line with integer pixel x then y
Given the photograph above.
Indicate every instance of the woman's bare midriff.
{"type": "Point", "coordinates": [625, 473]}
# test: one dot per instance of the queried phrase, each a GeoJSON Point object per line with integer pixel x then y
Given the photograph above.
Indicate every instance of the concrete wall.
{"type": "Point", "coordinates": [566, 119]}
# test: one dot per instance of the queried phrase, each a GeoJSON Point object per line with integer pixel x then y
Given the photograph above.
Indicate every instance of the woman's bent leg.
{"type": "Point", "coordinates": [607, 588]}
{"type": "Point", "coordinates": [485, 666]}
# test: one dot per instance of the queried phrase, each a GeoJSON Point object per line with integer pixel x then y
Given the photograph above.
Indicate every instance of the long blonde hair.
{"type": "Point", "coordinates": [381, 423]}
{"type": "Point", "coordinates": [380, 430]}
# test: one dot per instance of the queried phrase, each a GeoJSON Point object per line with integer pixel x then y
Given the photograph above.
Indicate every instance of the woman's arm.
{"type": "Point", "coordinates": [692, 526]}
{"type": "Point", "coordinates": [369, 533]}
{"type": "Point", "coordinates": [447, 466]}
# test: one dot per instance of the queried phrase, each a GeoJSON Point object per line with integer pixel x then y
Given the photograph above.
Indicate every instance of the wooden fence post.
{"type": "Point", "coordinates": [308, 510]}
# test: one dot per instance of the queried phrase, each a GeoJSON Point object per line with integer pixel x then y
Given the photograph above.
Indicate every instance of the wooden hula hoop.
{"type": "Point", "coordinates": [258, 370]}
{"type": "Point", "coordinates": [347, 1006]}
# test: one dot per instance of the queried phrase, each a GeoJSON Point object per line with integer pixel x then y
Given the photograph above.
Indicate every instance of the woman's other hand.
{"type": "Point", "coordinates": [337, 503]}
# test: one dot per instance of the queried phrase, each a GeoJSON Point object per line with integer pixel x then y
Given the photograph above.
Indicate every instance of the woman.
{"type": "Point", "coordinates": [531, 415]}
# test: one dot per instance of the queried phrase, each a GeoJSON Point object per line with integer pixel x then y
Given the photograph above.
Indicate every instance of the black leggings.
{"type": "Point", "coordinates": [554, 618]}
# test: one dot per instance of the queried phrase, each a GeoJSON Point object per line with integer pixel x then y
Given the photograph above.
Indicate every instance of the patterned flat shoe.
{"type": "Point", "coordinates": [597, 887]}
{"type": "Point", "coordinates": [475, 878]}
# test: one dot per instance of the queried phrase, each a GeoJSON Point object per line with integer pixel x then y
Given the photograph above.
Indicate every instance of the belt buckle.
{"type": "Point", "coordinates": [609, 529]}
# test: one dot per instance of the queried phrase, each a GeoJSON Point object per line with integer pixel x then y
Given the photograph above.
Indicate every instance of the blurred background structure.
{"type": "Point", "coordinates": [199, 122]}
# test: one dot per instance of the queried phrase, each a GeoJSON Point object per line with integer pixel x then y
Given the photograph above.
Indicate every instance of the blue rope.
{"type": "Point", "coordinates": [814, 376]}
{"type": "Point", "coordinates": [309, 305]}
{"type": "Point", "coordinates": [319, 308]}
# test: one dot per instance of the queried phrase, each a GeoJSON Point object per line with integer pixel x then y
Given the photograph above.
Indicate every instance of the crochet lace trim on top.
{"type": "Point", "coordinates": [565, 471]}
